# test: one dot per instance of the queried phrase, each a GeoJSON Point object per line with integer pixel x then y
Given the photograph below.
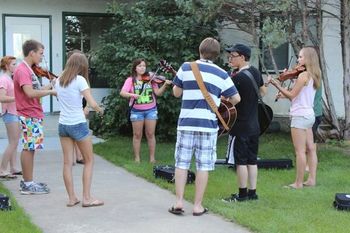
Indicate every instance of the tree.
{"type": "Point", "coordinates": [269, 21]}
{"type": "Point", "coordinates": [154, 30]}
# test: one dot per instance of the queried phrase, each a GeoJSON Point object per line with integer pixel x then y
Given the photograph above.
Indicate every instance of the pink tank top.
{"type": "Point", "coordinates": [302, 104]}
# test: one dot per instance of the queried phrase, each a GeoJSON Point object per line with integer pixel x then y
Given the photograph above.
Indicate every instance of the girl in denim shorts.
{"type": "Point", "coordinates": [71, 87]}
{"type": "Point", "coordinates": [302, 115]}
{"type": "Point", "coordinates": [10, 118]}
{"type": "Point", "coordinates": [143, 106]}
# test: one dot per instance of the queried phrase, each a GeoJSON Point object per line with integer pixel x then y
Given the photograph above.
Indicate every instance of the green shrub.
{"type": "Point", "coordinates": [154, 30]}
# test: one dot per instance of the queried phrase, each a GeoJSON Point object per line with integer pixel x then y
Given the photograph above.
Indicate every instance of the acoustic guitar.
{"type": "Point", "coordinates": [227, 110]}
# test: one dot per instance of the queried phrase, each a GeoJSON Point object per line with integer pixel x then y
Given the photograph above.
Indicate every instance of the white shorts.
{"type": "Point", "coordinates": [302, 122]}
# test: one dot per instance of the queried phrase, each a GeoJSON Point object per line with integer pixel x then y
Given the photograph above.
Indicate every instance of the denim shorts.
{"type": "Point", "coordinates": [77, 132]}
{"type": "Point", "coordinates": [9, 118]}
{"type": "Point", "coordinates": [302, 122]}
{"type": "Point", "coordinates": [137, 115]}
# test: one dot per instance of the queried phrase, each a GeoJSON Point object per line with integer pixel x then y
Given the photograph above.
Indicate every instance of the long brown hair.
{"type": "Point", "coordinates": [312, 64]}
{"type": "Point", "coordinates": [77, 64]}
{"type": "Point", "coordinates": [5, 61]}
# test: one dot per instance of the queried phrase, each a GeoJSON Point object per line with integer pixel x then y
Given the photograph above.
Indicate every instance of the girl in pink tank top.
{"type": "Point", "coordinates": [302, 115]}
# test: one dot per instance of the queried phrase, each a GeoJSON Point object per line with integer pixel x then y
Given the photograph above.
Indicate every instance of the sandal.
{"type": "Point", "coordinates": [8, 176]}
{"type": "Point", "coordinates": [93, 203]}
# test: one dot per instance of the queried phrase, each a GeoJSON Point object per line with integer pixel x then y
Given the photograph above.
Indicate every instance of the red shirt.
{"type": "Point", "coordinates": [26, 106]}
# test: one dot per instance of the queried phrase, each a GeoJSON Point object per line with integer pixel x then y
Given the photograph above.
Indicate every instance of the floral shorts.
{"type": "Point", "coordinates": [32, 133]}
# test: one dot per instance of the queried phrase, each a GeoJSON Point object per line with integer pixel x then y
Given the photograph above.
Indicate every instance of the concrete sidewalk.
{"type": "Point", "coordinates": [131, 203]}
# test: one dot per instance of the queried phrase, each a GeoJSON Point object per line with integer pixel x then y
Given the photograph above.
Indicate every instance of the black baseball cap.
{"type": "Point", "coordinates": [239, 48]}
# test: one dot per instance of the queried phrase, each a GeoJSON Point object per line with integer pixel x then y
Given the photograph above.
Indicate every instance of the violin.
{"type": "Point", "coordinates": [291, 74]}
{"type": "Point", "coordinates": [43, 73]}
{"type": "Point", "coordinates": [153, 78]}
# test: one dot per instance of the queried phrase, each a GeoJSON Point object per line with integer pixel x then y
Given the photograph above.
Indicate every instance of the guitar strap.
{"type": "Point", "coordinates": [247, 72]}
{"type": "Point", "coordinates": [208, 98]}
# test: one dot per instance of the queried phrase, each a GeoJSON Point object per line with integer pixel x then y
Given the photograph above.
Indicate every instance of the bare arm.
{"type": "Point", "coordinates": [235, 99]}
{"type": "Point", "coordinates": [300, 82]}
{"type": "Point", "coordinates": [263, 90]}
{"type": "Point", "coordinates": [91, 101]}
{"type": "Point", "coordinates": [128, 95]}
{"type": "Point", "coordinates": [5, 98]}
{"type": "Point", "coordinates": [177, 91]}
{"type": "Point", "coordinates": [160, 91]}
{"type": "Point", "coordinates": [31, 93]}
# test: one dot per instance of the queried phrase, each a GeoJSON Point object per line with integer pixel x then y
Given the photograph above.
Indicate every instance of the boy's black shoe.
{"type": "Point", "coordinates": [234, 198]}
{"type": "Point", "coordinates": [253, 197]}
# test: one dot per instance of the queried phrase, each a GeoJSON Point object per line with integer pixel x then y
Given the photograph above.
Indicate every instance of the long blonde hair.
{"type": "Point", "coordinates": [77, 64]}
{"type": "Point", "coordinates": [312, 64]}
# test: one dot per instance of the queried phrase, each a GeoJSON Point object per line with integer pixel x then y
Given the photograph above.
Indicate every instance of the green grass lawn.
{"type": "Point", "coordinates": [17, 220]}
{"type": "Point", "coordinates": [278, 209]}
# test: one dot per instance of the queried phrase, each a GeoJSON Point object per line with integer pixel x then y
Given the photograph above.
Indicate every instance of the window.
{"type": "Point", "coordinates": [281, 55]}
{"type": "Point", "coordinates": [82, 31]}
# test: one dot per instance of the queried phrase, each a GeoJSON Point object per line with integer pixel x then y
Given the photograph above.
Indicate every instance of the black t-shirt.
{"type": "Point", "coordinates": [247, 123]}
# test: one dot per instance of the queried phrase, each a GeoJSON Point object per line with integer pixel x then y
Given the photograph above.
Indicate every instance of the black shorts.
{"type": "Point", "coordinates": [245, 150]}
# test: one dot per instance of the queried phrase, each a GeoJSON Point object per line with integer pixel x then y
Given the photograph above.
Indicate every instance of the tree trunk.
{"type": "Point", "coordinates": [345, 42]}
{"type": "Point", "coordinates": [333, 120]}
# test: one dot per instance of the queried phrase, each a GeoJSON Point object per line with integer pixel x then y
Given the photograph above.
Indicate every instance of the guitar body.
{"type": "Point", "coordinates": [264, 120]}
{"type": "Point", "coordinates": [229, 114]}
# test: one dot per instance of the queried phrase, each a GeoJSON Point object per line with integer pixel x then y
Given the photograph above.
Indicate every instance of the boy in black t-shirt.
{"type": "Point", "coordinates": [244, 135]}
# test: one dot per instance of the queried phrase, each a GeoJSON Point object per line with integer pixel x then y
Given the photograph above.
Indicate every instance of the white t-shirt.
{"type": "Point", "coordinates": [70, 101]}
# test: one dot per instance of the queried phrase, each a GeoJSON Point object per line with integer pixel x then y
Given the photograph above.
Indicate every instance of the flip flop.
{"type": "Point", "coordinates": [18, 173]}
{"type": "Point", "coordinates": [73, 204]}
{"type": "Point", "coordinates": [308, 185]}
{"type": "Point", "coordinates": [94, 203]}
{"type": "Point", "coordinates": [291, 187]}
{"type": "Point", "coordinates": [176, 211]}
{"type": "Point", "coordinates": [206, 210]}
{"type": "Point", "coordinates": [8, 176]}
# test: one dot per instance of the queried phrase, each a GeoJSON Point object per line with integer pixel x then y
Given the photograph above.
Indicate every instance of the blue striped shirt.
{"type": "Point", "coordinates": [196, 114]}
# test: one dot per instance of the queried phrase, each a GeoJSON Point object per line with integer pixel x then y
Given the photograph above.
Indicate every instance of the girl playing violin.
{"type": "Point", "coordinates": [302, 115]}
{"type": "Point", "coordinates": [142, 91]}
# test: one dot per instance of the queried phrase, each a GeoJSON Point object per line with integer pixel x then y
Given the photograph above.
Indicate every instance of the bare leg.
{"type": "Point", "coordinates": [9, 156]}
{"type": "Point", "coordinates": [242, 175]}
{"type": "Point", "coordinates": [312, 159]}
{"type": "Point", "coordinates": [85, 147]}
{"type": "Point", "coordinates": [68, 154]}
{"type": "Point", "coordinates": [252, 176]}
{"type": "Point", "coordinates": [201, 185]}
{"type": "Point", "coordinates": [78, 155]}
{"type": "Point", "coordinates": [27, 162]}
{"type": "Point", "coordinates": [137, 129]}
{"type": "Point", "coordinates": [150, 128]}
{"type": "Point", "coordinates": [180, 182]}
{"type": "Point", "coordinates": [299, 142]}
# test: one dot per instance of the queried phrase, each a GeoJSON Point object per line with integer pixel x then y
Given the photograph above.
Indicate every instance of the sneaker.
{"type": "Point", "coordinates": [234, 198]}
{"type": "Point", "coordinates": [253, 197]}
{"type": "Point", "coordinates": [34, 188]}
{"type": "Point", "coordinates": [21, 185]}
